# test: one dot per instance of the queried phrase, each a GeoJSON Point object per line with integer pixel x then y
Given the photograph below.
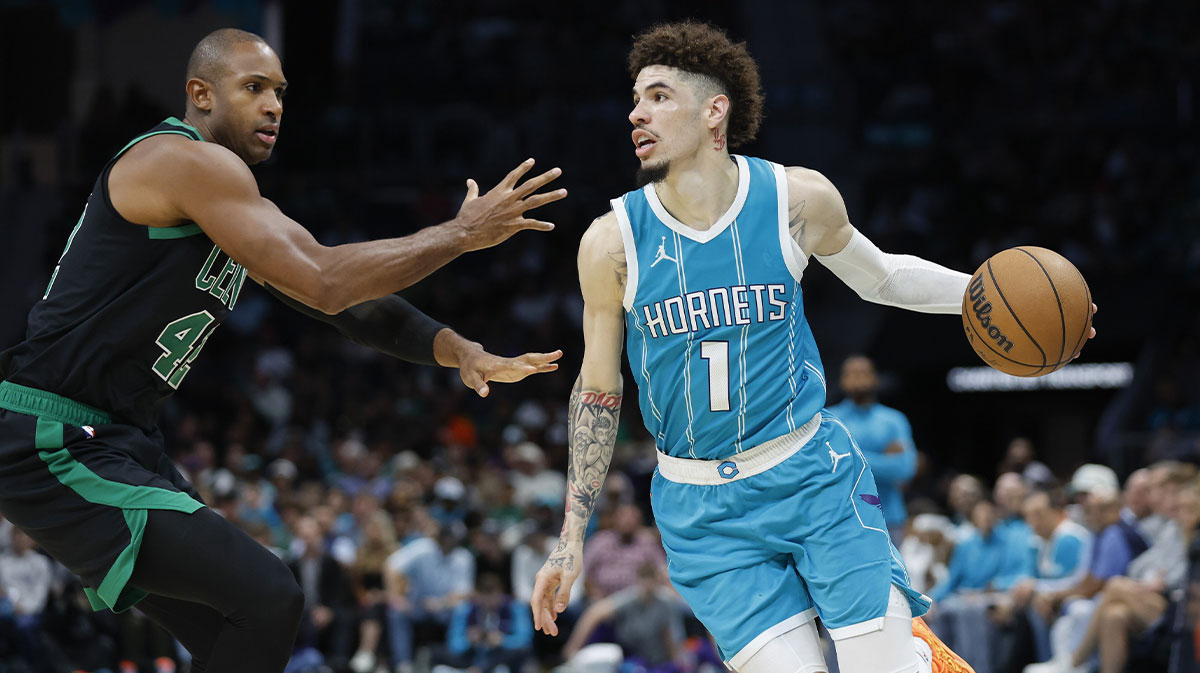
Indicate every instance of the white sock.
{"type": "Point", "coordinates": [924, 655]}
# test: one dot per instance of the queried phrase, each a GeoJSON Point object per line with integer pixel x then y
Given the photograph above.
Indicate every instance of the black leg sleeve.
{"type": "Point", "coordinates": [254, 603]}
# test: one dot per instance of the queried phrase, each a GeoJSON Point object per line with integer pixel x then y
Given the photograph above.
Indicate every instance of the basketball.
{"type": "Point", "coordinates": [1027, 311]}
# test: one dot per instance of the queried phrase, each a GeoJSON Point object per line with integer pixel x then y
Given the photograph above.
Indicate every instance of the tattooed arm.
{"type": "Point", "coordinates": [595, 408]}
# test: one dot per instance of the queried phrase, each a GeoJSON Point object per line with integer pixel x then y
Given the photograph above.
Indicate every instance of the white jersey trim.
{"type": "Point", "coordinates": [721, 224]}
{"type": "Point", "coordinates": [793, 256]}
{"type": "Point", "coordinates": [631, 258]}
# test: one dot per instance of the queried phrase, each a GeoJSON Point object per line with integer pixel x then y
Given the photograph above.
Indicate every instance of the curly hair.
{"type": "Point", "coordinates": [705, 50]}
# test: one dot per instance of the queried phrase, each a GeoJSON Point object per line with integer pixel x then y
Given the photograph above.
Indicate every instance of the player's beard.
{"type": "Point", "coordinates": [652, 174]}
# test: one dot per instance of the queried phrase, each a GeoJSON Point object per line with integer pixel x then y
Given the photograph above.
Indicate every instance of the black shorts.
{"type": "Point", "coordinates": [80, 486]}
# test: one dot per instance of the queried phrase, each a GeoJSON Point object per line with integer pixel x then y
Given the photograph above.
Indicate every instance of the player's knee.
{"type": "Point", "coordinates": [278, 600]}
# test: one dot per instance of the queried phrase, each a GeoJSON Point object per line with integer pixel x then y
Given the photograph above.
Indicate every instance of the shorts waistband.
{"type": "Point", "coordinates": [43, 404]}
{"type": "Point", "coordinates": [741, 465]}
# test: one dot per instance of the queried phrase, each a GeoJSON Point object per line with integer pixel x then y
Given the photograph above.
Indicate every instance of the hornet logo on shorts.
{"type": "Point", "coordinates": [728, 469]}
{"type": "Point", "coordinates": [872, 500]}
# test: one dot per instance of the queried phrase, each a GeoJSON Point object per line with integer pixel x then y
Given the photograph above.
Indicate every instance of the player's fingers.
{"type": "Point", "coordinates": [1094, 308]}
{"type": "Point", "coordinates": [533, 184]}
{"type": "Point", "coordinates": [540, 359]}
{"type": "Point", "coordinates": [536, 225]}
{"type": "Point", "coordinates": [539, 200]}
{"type": "Point", "coordinates": [472, 190]}
{"type": "Point", "coordinates": [475, 380]}
{"type": "Point", "coordinates": [515, 174]}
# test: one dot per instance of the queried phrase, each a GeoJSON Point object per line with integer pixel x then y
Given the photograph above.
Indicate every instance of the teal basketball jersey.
{"type": "Point", "coordinates": [715, 330]}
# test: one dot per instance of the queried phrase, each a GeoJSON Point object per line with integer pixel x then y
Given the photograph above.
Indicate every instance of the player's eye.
{"type": "Point", "coordinates": [660, 97]}
{"type": "Point", "coordinates": [253, 86]}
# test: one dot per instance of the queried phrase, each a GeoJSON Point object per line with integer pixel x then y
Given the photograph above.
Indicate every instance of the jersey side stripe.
{"type": "Point", "coordinates": [745, 335]}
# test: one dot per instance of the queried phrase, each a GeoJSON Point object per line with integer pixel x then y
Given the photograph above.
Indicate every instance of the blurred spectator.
{"type": "Point", "coordinates": [611, 558]}
{"type": "Point", "coordinates": [1085, 480]}
{"type": "Point", "coordinates": [647, 623]}
{"type": "Point", "coordinates": [884, 436]}
{"type": "Point", "coordinates": [926, 548]}
{"type": "Point", "coordinates": [1117, 544]}
{"type": "Point", "coordinates": [378, 543]}
{"type": "Point", "coordinates": [426, 579]}
{"type": "Point", "coordinates": [1019, 457]}
{"type": "Point", "coordinates": [450, 506]}
{"type": "Point", "coordinates": [490, 631]}
{"type": "Point", "coordinates": [977, 561]}
{"type": "Point", "coordinates": [328, 619]}
{"type": "Point", "coordinates": [1141, 606]}
{"type": "Point", "coordinates": [24, 589]}
{"type": "Point", "coordinates": [532, 481]}
{"type": "Point", "coordinates": [965, 492]}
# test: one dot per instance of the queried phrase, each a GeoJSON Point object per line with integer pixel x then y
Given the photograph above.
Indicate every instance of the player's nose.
{"type": "Point", "coordinates": [639, 115]}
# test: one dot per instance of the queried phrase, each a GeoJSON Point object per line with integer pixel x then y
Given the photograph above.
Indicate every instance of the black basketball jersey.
{"type": "Point", "coordinates": [127, 309]}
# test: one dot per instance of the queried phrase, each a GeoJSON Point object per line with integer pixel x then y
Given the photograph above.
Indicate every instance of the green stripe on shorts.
{"type": "Point", "coordinates": [133, 501]}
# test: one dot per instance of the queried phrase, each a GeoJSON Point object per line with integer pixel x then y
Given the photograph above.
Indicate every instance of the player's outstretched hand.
{"type": "Point", "coordinates": [490, 218]}
{"type": "Point", "coordinates": [552, 588]}
{"type": "Point", "coordinates": [477, 367]}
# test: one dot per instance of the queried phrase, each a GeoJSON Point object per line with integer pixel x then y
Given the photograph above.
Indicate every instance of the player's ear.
{"type": "Point", "coordinates": [200, 93]}
{"type": "Point", "coordinates": [716, 110]}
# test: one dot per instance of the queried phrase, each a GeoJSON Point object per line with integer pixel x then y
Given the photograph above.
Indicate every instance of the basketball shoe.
{"type": "Point", "coordinates": [944, 658]}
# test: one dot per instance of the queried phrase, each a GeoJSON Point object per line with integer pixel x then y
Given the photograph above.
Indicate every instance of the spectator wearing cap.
{"type": "Point", "coordinates": [1086, 479]}
{"type": "Point", "coordinates": [925, 549]}
{"type": "Point", "coordinates": [450, 506]}
{"type": "Point", "coordinates": [532, 481]}
{"type": "Point", "coordinates": [883, 434]}
{"type": "Point", "coordinates": [611, 557]}
{"type": "Point", "coordinates": [425, 579]}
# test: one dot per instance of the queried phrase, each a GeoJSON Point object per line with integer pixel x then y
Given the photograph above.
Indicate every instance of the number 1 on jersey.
{"type": "Point", "coordinates": [717, 354]}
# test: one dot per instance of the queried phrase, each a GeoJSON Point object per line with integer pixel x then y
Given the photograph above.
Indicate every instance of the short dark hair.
{"type": "Point", "coordinates": [207, 61]}
{"type": "Point", "coordinates": [705, 50]}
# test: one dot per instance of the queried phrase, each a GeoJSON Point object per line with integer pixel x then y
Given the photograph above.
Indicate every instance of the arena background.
{"type": "Point", "coordinates": [953, 130]}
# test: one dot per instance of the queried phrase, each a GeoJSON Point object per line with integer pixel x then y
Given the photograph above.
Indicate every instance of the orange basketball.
{"type": "Point", "coordinates": [1027, 311]}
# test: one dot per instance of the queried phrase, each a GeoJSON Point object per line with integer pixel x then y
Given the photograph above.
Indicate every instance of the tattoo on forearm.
{"type": "Point", "coordinates": [592, 429]}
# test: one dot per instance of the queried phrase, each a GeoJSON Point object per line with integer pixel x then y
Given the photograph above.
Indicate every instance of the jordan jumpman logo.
{"type": "Point", "coordinates": [835, 457]}
{"type": "Point", "coordinates": [662, 253]}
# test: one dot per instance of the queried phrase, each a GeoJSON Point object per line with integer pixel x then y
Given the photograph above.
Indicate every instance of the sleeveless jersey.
{"type": "Point", "coordinates": [715, 330]}
{"type": "Point", "coordinates": [127, 309]}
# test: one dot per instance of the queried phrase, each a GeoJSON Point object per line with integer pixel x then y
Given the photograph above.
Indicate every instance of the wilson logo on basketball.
{"type": "Point", "coordinates": [982, 307]}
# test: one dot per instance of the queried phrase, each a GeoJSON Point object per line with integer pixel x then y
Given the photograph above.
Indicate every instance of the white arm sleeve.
{"type": "Point", "coordinates": [897, 280]}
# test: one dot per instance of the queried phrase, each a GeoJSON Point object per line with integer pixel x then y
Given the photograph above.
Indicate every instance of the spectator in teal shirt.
{"type": "Point", "coordinates": [884, 436]}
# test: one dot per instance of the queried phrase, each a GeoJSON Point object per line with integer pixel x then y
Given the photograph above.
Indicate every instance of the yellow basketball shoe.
{"type": "Point", "coordinates": [944, 658]}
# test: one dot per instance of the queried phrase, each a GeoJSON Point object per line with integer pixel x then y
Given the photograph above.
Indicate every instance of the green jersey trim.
{"type": "Point", "coordinates": [34, 402]}
{"type": "Point", "coordinates": [133, 501]}
{"type": "Point", "coordinates": [180, 231]}
{"type": "Point", "coordinates": [177, 122]}
{"type": "Point", "coordinates": [152, 133]}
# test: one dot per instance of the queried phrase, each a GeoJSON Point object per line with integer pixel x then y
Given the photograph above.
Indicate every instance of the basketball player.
{"type": "Point", "coordinates": [768, 511]}
{"type": "Point", "coordinates": [173, 227]}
